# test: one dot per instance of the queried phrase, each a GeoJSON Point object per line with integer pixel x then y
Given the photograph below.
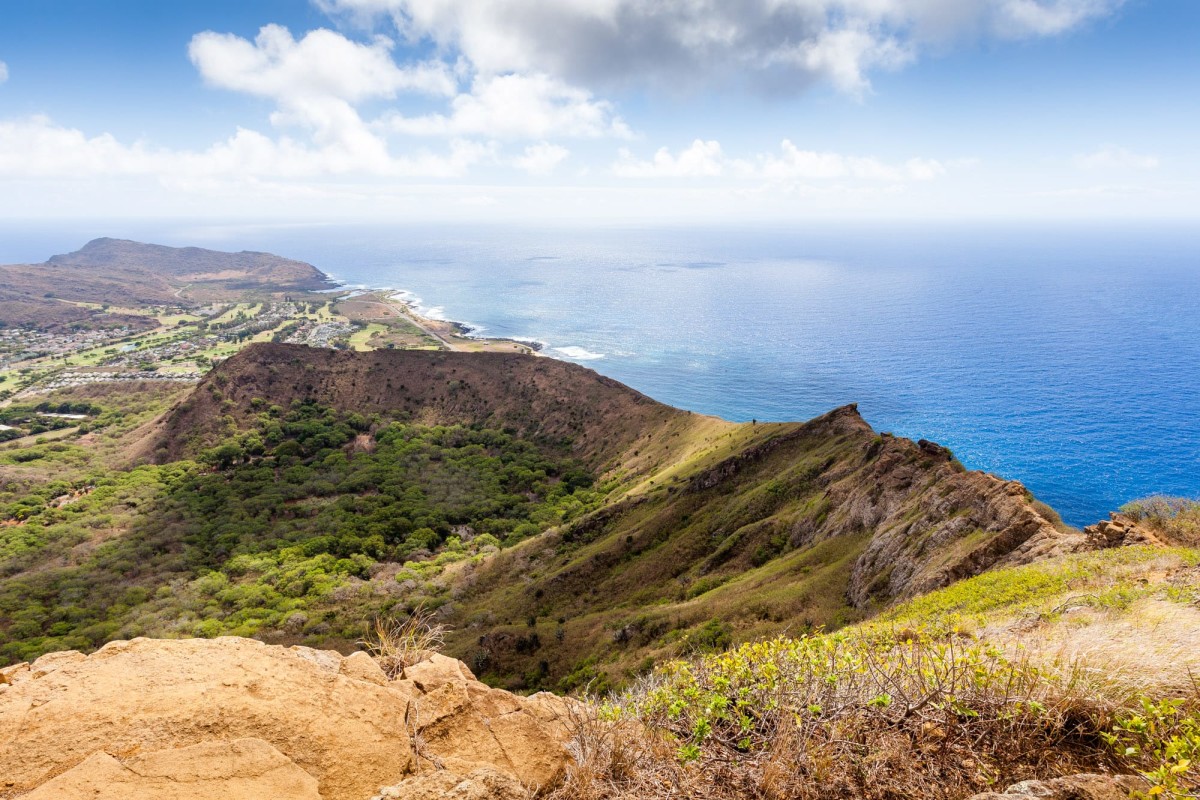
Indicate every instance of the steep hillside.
{"type": "Point", "coordinates": [707, 532]}
{"type": "Point", "coordinates": [1033, 674]}
{"type": "Point", "coordinates": [550, 402]}
{"type": "Point", "coordinates": [774, 528]}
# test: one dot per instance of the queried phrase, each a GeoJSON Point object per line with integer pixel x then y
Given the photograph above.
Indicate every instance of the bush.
{"type": "Point", "coordinates": [841, 715]}
{"type": "Point", "coordinates": [1176, 517]}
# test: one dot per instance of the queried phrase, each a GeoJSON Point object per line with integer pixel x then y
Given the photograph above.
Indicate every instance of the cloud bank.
{"type": "Point", "coordinates": [706, 159]}
{"type": "Point", "coordinates": [777, 45]}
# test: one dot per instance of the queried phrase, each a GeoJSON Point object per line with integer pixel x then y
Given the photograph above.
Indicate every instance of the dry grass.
{"type": "Point", "coordinates": [1083, 664]}
{"type": "Point", "coordinates": [1177, 519]}
{"type": "Point", "coordinates": [397, 645]}
{"type": "Point", "coordinates": [1151, 648]}
{"type": "Point", "coordinates": [840, 716]}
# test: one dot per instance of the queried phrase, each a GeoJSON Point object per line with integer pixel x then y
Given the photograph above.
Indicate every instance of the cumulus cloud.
{"type": "Point", "coordinates": [3, 72]}
{"type": "Point", "coordinates": [542, 158]}
{"type": "Point", "coordinates": [706, 159]}
{"type": "Point", "coordinates": [1022, 18]}
{"type": "Point", "coordinates": [323, 64]}
{"type": "Point", "coordinates": [516, 106]}
{"type": "Point", "coordinates": [779, 44]}
{"type": "Point", "coordinates": [1112, 157]}
{"type": "Point", "coordinates": [316, 83]}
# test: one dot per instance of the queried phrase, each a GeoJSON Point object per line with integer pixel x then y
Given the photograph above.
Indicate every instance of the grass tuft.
{"type": "Point", "coordinates": [399, 645]}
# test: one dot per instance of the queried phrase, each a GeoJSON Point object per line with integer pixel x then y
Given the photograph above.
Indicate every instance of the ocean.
{"type": "Point", "coordinates": [1066, 357]}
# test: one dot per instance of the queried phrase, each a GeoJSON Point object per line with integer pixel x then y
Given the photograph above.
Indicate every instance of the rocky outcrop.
{"type": "Point", "coordinates": [235, 718]}
{"type": "Point", "coordinates": [1073, 787]}
{"type": "Point", "coordinates": [1121, 530]}
{"type": "Point", "coordinates": [931, 521]}
{"type": "Point", "coordinates": [462, 724]}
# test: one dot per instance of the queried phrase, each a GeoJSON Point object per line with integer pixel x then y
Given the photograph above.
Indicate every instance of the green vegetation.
{"type": "Point", "coordinates": [1178, 518]}
{"type": "Point", "coordinates": [288, 527]}
{"type": "Point", "coordinates": [838, 715]}
{"type": "Point", "coordinates": [1105, 578]}
{"type": "Point", "coordinates": [23, 420]}
{"type": "Point", "coordinates": [915, 704]}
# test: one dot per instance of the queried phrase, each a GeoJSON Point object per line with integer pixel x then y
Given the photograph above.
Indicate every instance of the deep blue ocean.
{"type": "Point", "coordinates": [1064, 357]}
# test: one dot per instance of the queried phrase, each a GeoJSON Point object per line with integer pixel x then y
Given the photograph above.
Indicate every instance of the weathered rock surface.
{"type": "Point", "coordinates": [210, 771]}
{"type": "Point", "coordinates": [234, 718]}
{"type": "Point", "coordinates": [1121, 530]}
{"type": "Point", "coordinates": [461, 723]}
{"type": "Point", "coordinates": [481, 784]}
{"type": "Point", "coordinates": [1073, 787]}
{"type": "Point", "coordinates": [932, 522]}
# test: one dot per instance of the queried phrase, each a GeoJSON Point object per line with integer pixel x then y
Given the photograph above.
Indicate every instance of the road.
{"type": "Point", "coordinates": [407, 313]}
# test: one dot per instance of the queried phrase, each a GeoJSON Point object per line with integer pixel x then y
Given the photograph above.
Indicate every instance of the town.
{"type": "Point", "coordinates": [180, 344]}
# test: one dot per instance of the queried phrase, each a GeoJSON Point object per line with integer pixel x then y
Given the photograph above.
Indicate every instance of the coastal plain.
{"type": "Point", "coordinates": [126, 311]}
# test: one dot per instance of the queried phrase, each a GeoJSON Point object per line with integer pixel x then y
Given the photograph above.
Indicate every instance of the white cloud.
{"type": "Point", "coordinates": [3, 72]}
{"type": "Point", "coordinates": [37, 147]}
{"type": "Point", "coordinates": [316, 83]}
{"type": "Point", "coordinates": [1111, 157]}
{"type": "Point", "coordinates": [542, 158]}
{"type": "Point", "coordinates": [323, 64]}
{"type": "Point", "coordinates": [517, 106]}
{"type": "Point", "coordinates": [777, 44]}
{"type": "Point", "coordinates": [1024, 18]}
{"type": "Point", "coordinates": [707, 159]}
{"type": "Point", "coordinates": [701, 160]}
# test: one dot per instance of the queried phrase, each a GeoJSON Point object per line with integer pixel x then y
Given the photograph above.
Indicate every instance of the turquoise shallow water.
{"type": "Point", "coordinates": [1067, 358]}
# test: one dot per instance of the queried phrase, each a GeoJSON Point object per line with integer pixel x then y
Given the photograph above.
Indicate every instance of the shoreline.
{"type": "Point", "coordinates": [449, 334]}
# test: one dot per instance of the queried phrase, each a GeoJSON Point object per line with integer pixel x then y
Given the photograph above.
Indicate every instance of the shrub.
{"type": "Point", "coordinates": [1177, 517]}
{"type": "Point", "coordinates": [855, 716]}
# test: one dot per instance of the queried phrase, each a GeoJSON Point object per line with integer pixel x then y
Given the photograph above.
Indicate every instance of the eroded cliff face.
{"type": "Point", "coordinates": [933, 523]}
{"type": "Point", "coordinates": [235, 718]}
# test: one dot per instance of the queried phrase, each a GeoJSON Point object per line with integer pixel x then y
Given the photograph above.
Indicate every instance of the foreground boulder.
{"type": "Point", "coordinates": [235, 718]}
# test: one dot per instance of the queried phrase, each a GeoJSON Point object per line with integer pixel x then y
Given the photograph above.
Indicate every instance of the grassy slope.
{"type": "Point", "coordinates": [710, 533]}
{"type": "Point", "coordinates": [762, 529]}
{"type": "Point", "coordinates": [766, 528]}
{"type": "Point", "coordinates": [1084, 663]}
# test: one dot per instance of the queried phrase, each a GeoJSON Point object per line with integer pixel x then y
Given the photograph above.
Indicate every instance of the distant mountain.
{"type": "Point", "coordinates": [130, 274]}
{"type": "Point", "coordinates": [195, 265]}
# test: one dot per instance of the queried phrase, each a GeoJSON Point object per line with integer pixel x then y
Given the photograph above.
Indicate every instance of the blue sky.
{"type": "Point", "coordinates": [673, 110]}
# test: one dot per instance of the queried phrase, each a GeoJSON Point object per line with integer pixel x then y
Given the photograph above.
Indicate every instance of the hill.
{"type": "Point", "coordinates": [183, 265]}
{"type": "Point", "coordinates": [130, 274]}
{"type": "Point", "coordinates": [554, 403]}
{"type": "Point", "coordinates": [794, 609]}
{"type": "Point", "coordinates": [706, 531]}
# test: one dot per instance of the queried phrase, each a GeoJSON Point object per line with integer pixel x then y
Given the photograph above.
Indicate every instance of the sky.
{"type": "Point", "coordinates": [680, 111]}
